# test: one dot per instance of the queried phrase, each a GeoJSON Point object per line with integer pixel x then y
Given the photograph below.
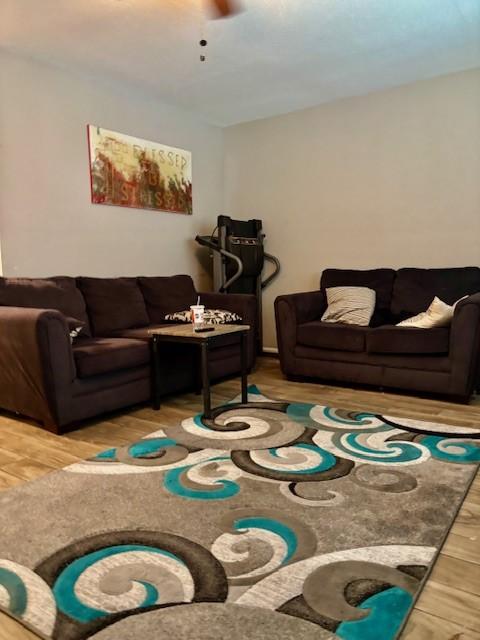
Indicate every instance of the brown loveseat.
{"type": "Point", "coordinates": [440, 360]}
{"type": "Point", "coordinates": [46, 377]}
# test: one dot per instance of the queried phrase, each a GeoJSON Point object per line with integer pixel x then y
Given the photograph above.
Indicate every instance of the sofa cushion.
{"type": "Point", "coordinates": [391, 339]}
{"type": "Point", "coordinates": [426, 362]}
{"type": "Point", "coordinates": [96, 356]}
{"type": "Point", "coordinates": [167, 294]}
{"type": "Point", "coordinates": [380, 280]}
{"type": "Point", "coordinates": [113, 304]}
{"type": "Point", "coordinates": [414, 289]}
{"type": "Point", "coordinates": [344, 337]}
{"type": "Point", "coordinates": [59, 293]}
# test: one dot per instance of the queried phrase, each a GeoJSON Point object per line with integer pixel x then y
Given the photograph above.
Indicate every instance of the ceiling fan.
{"type": "Point", "coordinates": [220, 9]}
{"type": "Point", "coordinates": [224, 8]}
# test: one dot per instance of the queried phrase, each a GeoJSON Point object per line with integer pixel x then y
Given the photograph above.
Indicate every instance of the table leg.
{"type": "Point", "coordinates": [154, 342]}
{"type": "Point", "coordinates": [243, 360]}
{"type": "Point", "coordinates": [198, 371]}
{"type": "Point", "coordinates": [207, 407]}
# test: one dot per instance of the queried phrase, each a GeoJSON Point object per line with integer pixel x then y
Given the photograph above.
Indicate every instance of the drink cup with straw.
{"type": "Point", "coordinates": [198, 313]}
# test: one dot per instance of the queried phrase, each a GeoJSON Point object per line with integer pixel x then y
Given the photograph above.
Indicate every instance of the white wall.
{"type": "Point", "coordinates": [47, 223]}
{"type": "Point", "coordinates": [388, 179]}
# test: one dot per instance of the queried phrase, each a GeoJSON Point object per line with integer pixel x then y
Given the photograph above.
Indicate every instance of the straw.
{"type": "Point", "coordinates": [198, 301]}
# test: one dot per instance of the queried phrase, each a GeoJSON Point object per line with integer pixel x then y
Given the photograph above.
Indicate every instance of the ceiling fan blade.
{"type": "Point", "coordinates": [224, 8]}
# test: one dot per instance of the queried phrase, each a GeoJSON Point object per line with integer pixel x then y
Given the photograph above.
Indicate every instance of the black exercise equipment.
{"type": "Point", "coordinates": [239, 257]}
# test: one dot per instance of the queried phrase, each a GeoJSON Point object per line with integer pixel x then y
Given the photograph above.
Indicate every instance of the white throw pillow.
{"type": "Point", "coordinates": [350, 305]}
{"type": "Point", "coordinates": [438, 314]}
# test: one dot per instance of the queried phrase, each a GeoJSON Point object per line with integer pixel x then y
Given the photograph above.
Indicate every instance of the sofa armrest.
{"type": "Point", "coordinates": [245, 305]}
{"type": "Point", "coordinates": [36, 363]}
{"type": "Point", "coordinates": [306, 306]}
{"type": "Point", "coordinates": [290, 311]}
{"type": "Point", "coordinates": [465, 346]}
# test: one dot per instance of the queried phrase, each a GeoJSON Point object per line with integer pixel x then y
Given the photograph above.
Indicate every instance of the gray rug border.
{"type": "Point", "coordinates": [437, 554]}
{"type": "Point", "coordinates": [475, 472]}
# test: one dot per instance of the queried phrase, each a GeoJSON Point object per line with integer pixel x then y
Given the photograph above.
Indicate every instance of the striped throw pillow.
{"type": "Point", "coordinates": [350, 305]}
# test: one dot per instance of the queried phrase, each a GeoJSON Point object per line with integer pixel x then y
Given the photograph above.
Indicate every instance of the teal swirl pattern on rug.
{"type": "Point", "coordinates": [16, 591]}
{"type": "Point", "coordinates": [176, 482]}
{"type": "Point", "coordinates": [299, 519]}
{"type": "Point", "coordinates": [68, 589]}
{"type": "Point", "coordinates": [387, 610]}
{"type": "Point", "coordinates": [276, 527]}
{"type": "Point", "coordinates": [452, 450]}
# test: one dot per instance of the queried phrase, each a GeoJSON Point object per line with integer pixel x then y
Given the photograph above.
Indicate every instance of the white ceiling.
{"type": "Point", "coordinates": [275, 57]}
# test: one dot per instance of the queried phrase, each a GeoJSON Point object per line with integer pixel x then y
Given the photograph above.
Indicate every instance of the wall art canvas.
{"type": "Point", "coordinates": [130, 172]}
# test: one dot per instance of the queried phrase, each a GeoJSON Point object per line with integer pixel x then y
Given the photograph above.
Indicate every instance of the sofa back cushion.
{"type": "Point", "coordinates": [380, 280]}
{"type": "Point", "coordinates": [414, 289]}
{"type": "Point", "coordinates": [113, 304]}
{"type": "Point", "coordinates": [59, 293]}
{"type": "Point", "coordinates": [167, 294]}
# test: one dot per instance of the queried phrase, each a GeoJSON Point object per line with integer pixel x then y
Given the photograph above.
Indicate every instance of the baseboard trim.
{"type": "Point", "coordinates": [270, 351]}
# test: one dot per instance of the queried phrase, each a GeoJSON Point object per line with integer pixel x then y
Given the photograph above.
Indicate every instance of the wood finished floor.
{"type": "Point", "coordinates": [449, 607]}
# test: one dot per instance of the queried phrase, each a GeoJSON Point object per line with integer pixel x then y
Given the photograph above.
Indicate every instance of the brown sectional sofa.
{"type": "Point", "coordinates": [43, 375]}
{"type": "Point", "coordinates": [442, 360]}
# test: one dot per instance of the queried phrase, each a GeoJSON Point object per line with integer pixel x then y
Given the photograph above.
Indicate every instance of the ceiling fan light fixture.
{"type": "Point", "coordinates": [224, 8]}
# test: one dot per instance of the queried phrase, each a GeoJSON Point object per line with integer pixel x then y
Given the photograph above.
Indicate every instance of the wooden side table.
{"type": "Point", "coordinates": [184, 334]}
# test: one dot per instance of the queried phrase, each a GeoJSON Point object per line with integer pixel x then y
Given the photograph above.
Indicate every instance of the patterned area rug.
{"type": "Point", "coordinates": [275, 520]}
